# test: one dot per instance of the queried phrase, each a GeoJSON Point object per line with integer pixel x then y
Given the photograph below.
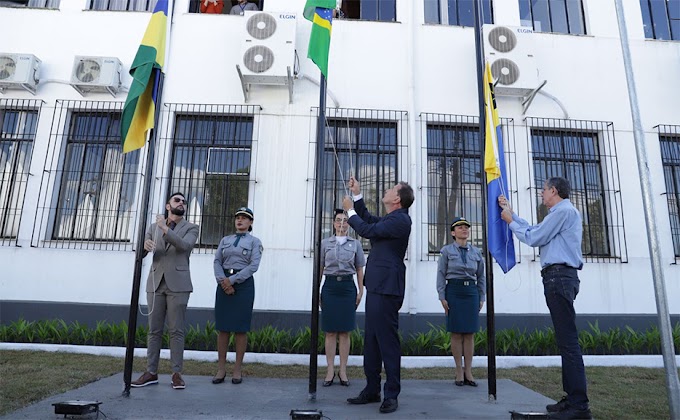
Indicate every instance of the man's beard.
{"type": "Point", "coordinates": [177, 211]}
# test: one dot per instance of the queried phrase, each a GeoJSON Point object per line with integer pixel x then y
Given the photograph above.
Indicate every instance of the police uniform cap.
{"type": "Point", "coordinates": [244, 211]}
{"type": "Point", "coordinates": [460, 221]}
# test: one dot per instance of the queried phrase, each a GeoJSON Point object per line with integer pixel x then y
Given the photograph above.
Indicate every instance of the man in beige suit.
{"type": "Point", "coordinates": [168, 288]}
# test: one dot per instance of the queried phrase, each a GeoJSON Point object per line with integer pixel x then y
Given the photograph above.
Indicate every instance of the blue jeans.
{"type": "Point", "coordinates": [560, 286]}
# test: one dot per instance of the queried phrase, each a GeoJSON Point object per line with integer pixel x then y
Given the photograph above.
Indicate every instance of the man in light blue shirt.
{"type": "Point", "coordinates": [558, 238]}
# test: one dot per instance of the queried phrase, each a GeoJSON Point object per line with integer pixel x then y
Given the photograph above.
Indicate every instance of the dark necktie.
{"type": "Point", "coordinates": [238, 238]}
{"type": "Point", "coordinates": [463, 254]}
{"type": "Point", "coordinates": [172, 225]}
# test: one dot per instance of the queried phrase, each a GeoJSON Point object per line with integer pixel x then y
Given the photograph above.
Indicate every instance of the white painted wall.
{"type": "Point", "coordinates": [405, 66]}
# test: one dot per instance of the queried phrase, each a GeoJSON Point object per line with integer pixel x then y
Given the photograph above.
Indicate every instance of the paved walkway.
{"type": "Point", "coordinates": [259, 398]}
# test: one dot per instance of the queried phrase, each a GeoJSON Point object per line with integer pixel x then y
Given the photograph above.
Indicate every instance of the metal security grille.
{"type": "Point", "coordinates": [210, 152]}
{"type": "Point", "coordinates": [454, 178]}
{"type": "Point", "coordinates": [89, 191]}
{"type": "Point", "coordinates": [669, 141]}
{"type": "Point", "coordinates": [560, 16]}
{"type": "Point", "coordinates": [365, 143]}
{"type": "Point", "coordinates": [135, 5]}
{"type": "Point", "coordinates": [18, 123]}
{"type": "Point", "coordinates": [584, 152]}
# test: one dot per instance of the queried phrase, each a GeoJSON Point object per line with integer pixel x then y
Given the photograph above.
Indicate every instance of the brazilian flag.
{"type": "Point", "coordinates": [140, 105]}
{"type": "Point", "coordinates": [320, 13]}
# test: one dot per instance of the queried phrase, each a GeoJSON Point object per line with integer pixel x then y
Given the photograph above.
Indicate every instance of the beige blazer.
{"type": "Point", "coordinates": [171, 257]}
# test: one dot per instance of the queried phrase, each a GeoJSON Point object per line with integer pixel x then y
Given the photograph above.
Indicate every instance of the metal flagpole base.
{"type": "Point", "coordinates": [311, 396]}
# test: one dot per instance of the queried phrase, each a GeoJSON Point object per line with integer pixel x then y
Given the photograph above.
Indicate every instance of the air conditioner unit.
{"type": "Point", "coordinates": [268, 48]}
{"type": "Point", "coordinates": [508, 49]}
{"type": "Point", "coordinates": [96, 74]}
{"type": "Point", "coordinates": [19, 71]}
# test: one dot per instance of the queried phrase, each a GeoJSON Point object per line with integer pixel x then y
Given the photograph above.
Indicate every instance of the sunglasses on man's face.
{"type": "Point", "coordinates": [179, 200]}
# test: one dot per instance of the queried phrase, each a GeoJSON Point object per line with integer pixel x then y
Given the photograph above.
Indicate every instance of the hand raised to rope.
{"type": "Point", "coordinates": [354, 186]}
{"type": "Point", "coordinates": [347, 203]}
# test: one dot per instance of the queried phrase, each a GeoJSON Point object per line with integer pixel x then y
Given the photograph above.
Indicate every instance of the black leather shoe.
{"type": "Point", "coordinates": [343, 383]}
{"type": "Point", "coordinates": [236, 381]}
{"type": "Point", "coordinates": [466, 381]}
{"type": "Point", "coordinates": [571, 413]}
{"type": "Point", "coordinates": [329, 383]}
{"type": "Point", "coordinates": [557, 407]}
{"type": "Point", "coordinates": [459, 383]}
{"type": "Point", "coordinates": [217, 380]}
{"type": "Point", "coordinates": [364, 398]}
{"type": "Point", "coordinates": [389, 405]}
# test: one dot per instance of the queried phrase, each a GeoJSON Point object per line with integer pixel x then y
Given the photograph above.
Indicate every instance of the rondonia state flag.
{"type": "Point", "coordinates": [500, 242]}
{"type": "Point", "coordinates": [140, 105]}
{"type": "Point", "coordinates": [320, 13]}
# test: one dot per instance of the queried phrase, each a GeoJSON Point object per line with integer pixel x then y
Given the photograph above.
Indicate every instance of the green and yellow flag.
{"type": "Point", "coordinates": [140, 105]}
{"type": "Point", "coordinates": [320, 13]}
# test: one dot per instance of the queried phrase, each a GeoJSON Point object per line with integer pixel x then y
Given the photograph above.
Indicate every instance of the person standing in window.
{"type": "Point", "coordinates": [242, 6]}
{"type": "Point", "coordinates": [559, 237]}
{"type": "Point", "coordinates": [236, 260]}
{"type": "Point", "coordinates": [461, 288]}
{"type": "Point", "coordinates": [168, 288]}
{"type": "Point", "coordinates": [212, 6]}
{"type": "Point", "coordinates": [341, 258]}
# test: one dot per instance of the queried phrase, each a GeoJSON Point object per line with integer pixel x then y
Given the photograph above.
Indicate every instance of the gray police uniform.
{"type": "Point", "coordinates": [339, 294]}
{"type": "Point", "coordinates": [461, 281]}
{"type": "Point", "coordinates": [237, 258]}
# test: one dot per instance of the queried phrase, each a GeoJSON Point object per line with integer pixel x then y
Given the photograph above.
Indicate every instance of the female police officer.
{"type": "Point", "coordinates": [341, 258]}
{"type": "Point", "coordinates": [461, 287]}
{"type": "Point", "coordinates": [237, 258]}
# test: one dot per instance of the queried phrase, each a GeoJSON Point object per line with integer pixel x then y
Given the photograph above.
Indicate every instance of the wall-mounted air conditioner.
{"type": "Point", "coordinates": [268, 47]}
{"type": "Point", "coordinates": [96, 74]}
{"type": "Point", "coordinates": [19, 71]}
{"type": "Point", "coordinates": [510, 54]}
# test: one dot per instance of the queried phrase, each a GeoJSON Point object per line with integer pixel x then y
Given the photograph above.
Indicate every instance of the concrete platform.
{"type": "Point", "coordinates": [260, 398]}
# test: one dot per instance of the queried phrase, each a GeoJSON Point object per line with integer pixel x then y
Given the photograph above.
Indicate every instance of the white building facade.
{"type": "Point", "coordinates": [402, 105]}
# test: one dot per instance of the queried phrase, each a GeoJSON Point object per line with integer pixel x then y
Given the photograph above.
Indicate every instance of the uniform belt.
{"type": "Point", "coordinates": [228, 271]}
{"type": "Point", "coordinates": [463, 282]}
{"type": "Point", "coordinates": [555, 267]}
{"type": "Point", "coordinates": [346, 277]}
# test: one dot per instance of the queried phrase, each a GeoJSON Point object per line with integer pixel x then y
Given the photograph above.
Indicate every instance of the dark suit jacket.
{"type": "Point", "coordinates": [385, 270]}
{"type": "Point", "coordinates": [171, 258]}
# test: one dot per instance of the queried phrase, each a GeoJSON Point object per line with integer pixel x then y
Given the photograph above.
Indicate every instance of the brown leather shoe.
{"type": "Point", "coordinates": [146, 379]}
{"type": "Point", "coordinates": [177, 381]}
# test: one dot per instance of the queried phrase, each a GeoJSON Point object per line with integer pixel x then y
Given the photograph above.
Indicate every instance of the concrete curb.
{"type": "Point", "coordinates": [502, 362]}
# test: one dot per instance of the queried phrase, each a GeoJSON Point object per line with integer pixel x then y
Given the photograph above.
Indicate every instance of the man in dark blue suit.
{"type": "Point", "coordinates": [385, 283]}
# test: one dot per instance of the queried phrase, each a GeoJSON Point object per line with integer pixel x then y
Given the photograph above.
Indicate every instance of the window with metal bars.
{"type": "Point", "coordinates": [669, 139]}
{"type": "Point", "coordinates": [661, 19]}
{"type": "Point", "coordinates": [377, 10]}
{"type": "Point", "coordinates": [211, 165]}
{"type": "Point", "coordinates": [132, 5]}
{"type": "Point", "coordinates": [560, 16]}
{"type": "Point", "coordinates": [366, 144]}
{"type": "Point", "coordinates": [454, 176]}
{"type": "Point", "coordinates": [18, 121]}
{"type": "Point", "coordinates": [38, 4]}
{"type": "Point", "coordinates": [583, 152]}
{"type": "Point", "coordinates": [456, 12]}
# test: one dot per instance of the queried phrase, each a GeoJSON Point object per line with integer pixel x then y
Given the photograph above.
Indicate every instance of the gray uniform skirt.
{"type": "Point", "coordinates": [233, 313]}
{"type": "Point", "coordinates": [463, 300]}
{"type": "Point", "coordinates": [338, 304]}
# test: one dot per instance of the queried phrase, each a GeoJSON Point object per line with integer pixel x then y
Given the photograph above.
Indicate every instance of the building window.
{"type": "Point", "coordinates": [661, 19]}
{"type": "Point", "coordinates": [98, 182]}
{"type": "Point", "coordinates": [454, 176]}
{"type": "Point", "coordinates": [195, 5]}
{"type": "Point", "coordinates": [38, 4]}
{"type": "Point", "coordinates": [134, 5]}
{"type": "Point", "coordinates": [669, 138]}
{"type": "Point", "coordinates": [584, 152]}
{"type": "Point", "coordinates": [211, 164]}
{"type": "Point", "coordinates": [456, 12]}
{"type": "Point", "coordinates": [560, 16]}
{"type": "Point", "coordinates": [360, 142]}
{"type": "Point", "coordinates": [380, 10]}
{"type": "Point", "coordinates": [18, 121]}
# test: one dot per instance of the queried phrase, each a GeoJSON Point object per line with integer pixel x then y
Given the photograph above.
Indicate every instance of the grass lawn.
{"type": "Point", "coordinates": [615, 393]}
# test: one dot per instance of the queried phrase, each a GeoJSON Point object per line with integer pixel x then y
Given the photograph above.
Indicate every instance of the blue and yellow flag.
{"type": "Point", "coordinates": [140, 105]}
{"type": "Point", "coordinates": [320, 13]}
{"type": "Point", "coordinates": [500, 242]}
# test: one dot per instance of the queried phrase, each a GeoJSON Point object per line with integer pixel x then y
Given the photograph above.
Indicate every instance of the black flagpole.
{"type": "Point", "coordinates": [141, 231]}
{"type": "Point", "coordinates": [490, 311]}
{"type": "Point", "coordinates": [318, 221]}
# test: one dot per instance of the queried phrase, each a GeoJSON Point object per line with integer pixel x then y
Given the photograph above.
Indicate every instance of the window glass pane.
{"type": "Point", "coordinates": [647, 19]}
{"type": "Point", "coordinates": [432, 11]}
{"type": "Point", "coordinates": [487, 11]}
{"type": "Point", "coordinates": [558, 15]}
{"type": "Point", "coordinates": [369, 9]}
{"type": "Point", "coordinates": [662, 29]}
{"type": "Point", "coordinates": [541, 15]}
{"type": "Point", "coordinates": [453, 12]}
{"type": "Point", "coordinates": [575, 17]}
{"type": "Point", "coordinates": [387, 10]}
{"type": "Point", "coordinates": [525, 13]}
{"type": "Point", "coordinates": [466, 13]}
